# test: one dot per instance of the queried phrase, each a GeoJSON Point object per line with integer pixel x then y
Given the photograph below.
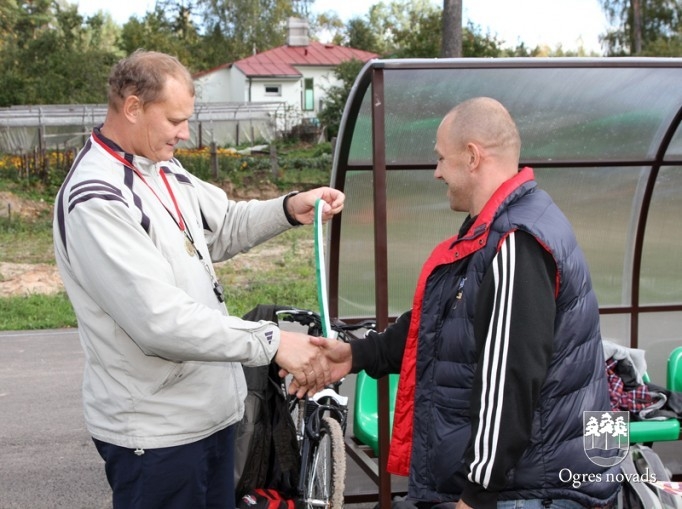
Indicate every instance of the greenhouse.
{"type": "Point", "coordinates": [603, 138]}
{"type": "Point", "coordinates": [24, 129]}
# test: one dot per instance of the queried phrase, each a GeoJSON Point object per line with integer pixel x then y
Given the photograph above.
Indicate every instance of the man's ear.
{"type": "Point", "coordinates": [132, 108]}
{"type": "Point", "coordinates": [473, 152]}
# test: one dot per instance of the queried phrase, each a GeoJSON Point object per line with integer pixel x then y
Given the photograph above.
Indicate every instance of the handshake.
{"type": "Point", "coordinates": [314, 362]}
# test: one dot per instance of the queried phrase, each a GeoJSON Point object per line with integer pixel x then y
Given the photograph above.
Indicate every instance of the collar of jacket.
{"type": "Point", "coordinates": [477, 233]}
{"type": "Point", "coordinates": [449, 251]}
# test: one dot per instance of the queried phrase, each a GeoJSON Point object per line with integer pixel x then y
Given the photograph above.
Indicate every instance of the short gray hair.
{"type": "Point", "coordinates": [144, 74]}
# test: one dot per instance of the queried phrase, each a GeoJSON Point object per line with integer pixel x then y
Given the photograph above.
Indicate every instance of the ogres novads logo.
{"type": "Point", "coordinates": [606, 437]}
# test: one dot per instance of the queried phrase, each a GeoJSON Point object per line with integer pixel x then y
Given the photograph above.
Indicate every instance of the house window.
{"type": "Point", "coordinates": [273, 90]}
{"type": "Point", "coordinates": [308, 95]}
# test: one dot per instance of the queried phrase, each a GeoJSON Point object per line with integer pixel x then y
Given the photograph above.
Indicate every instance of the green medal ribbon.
{"type": "Point", "coordinates": [321, 271]}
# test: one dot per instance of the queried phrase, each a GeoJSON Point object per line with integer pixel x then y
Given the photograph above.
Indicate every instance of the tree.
{"type": "Point", "coordinates": [51, 54]}
{"type": "Point", "coordinates": [420, 37]}
{"type": "Point", "coordinates": [637, 26]}
{"type": "Point", "coordinates": [452, 29]}
{"type": "Point", "coordinates": [415, 29]}
{"type": "Point", "coordinates": [249, 26]}
{"type": "Point", "coordinates": [302, 8]}
{"type": "Point", "coordinates": [398, 18]}
{"type": "Point", "coordinates": [327, 23]}
{"type": "Point", "coordinates": [156, 31]}
{"type": "Point", "coordinates": [337, 95]}
{"type": "Point", "coordinates": [641, 27]}
{"type": "Point", "coordinates": [476, 44]}
{"type": "Point", "coordinates": [362, 36]}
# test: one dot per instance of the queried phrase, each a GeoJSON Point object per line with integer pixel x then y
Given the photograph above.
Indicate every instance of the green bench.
{"type": "Point", "coordinates": [366, 409]}
{"type": "Point", "coordinates": [366, 415]}
{"type": "Point", "coordinates": [644, 432]}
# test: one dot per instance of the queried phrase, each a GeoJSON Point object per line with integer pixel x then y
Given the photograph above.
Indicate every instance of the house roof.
{"type": "Point", "coordinates": [210, 71]}
{"type": "Point", "coordinates": [280, 61]}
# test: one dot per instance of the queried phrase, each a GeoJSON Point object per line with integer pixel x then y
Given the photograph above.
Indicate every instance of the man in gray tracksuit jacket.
{"type": "Point", "coordinates": [135, 235]}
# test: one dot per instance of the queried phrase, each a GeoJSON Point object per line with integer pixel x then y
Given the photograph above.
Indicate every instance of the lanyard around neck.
{"type": "Point", "coordinates": [128, 164]}
{"type": "Point", "coordinates": [189, 241]}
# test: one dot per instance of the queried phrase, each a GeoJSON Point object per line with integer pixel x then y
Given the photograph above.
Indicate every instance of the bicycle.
{"type": "Point", "coordinates": [320, 423]}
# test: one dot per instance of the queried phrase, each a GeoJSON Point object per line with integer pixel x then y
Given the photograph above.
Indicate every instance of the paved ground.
{"type": "Point", "coordinates": [47, 460]}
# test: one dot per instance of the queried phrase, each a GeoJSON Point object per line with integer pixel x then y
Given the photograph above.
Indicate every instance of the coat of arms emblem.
{"type": "Point", "coordinates": [606, 437]}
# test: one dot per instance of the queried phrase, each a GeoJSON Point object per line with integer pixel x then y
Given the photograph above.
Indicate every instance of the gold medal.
{"type": "Point", "coordinates": [191, 250]}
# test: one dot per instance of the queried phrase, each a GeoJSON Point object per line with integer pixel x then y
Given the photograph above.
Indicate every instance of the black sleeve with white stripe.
{"type": "Point", "coordinates": [514, 328]}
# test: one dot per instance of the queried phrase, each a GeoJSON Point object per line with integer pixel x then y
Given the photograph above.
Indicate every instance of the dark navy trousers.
{"type": "Point", "coordinates": [199, 475]}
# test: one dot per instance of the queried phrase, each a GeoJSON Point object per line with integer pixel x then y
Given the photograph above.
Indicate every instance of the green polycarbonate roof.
{"type": "Point", "coordinates": [568, 110]}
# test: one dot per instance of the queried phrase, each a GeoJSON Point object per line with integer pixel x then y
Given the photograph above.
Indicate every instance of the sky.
{"type": "Point", "coordinates": [571, 23]}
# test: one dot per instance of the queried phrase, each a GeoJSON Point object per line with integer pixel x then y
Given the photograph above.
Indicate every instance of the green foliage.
{"type": "Point", "coordinates": [167, 29]}
{"type": "Point", "coordinates": [285, 279]}
{"type": "Point", "coordinates": [664, 47]}
{"type": "Point", "coordinates": [421, 36]}
{"type": "Point", "coordinates": [407, 29]}
{"type": "Point", "coordinates": [330, 116]}
{"type": "Point", "coordinates": [214, 50]}
{"type": "Point", "coordinates": [657, 27]}
{"type": "Point", "coordinates": [23, 241]}
{"type": "Point", "coordinates": [51, 55]}
{"type": "Point", "coordinates": [299, 166]}
{"type": "Point", "coordinates": [361, 35]}
{"type": "Point", "coordinates": [321, 152]}
{"type": "Point", "coordinates": [36, 312]}
{"type": "Point", "coordinates": [246, 25]}
{"type": "Point", "coordinates": [479, 45]}
{"type": "Point", "coordinates": [288, 278]}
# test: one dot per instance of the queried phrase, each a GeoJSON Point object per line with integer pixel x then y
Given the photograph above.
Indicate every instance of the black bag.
{"type": "Point", "coordinates": [267, 454]}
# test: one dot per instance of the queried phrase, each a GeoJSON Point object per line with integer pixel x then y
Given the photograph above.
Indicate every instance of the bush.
{"type": "Point", "coordinates": [302, 166]}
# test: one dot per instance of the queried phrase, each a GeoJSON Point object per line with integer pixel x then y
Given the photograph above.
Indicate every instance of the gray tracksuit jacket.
{"type": "Point", "coordinates": [162, 354]}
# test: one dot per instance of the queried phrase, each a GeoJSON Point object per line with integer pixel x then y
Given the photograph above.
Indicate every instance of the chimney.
{"type": "Point", "coordinates": [298, 32]}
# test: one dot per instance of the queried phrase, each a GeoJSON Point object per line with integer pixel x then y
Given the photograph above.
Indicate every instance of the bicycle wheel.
{"type": "Point", "coordinates": [326, 475]}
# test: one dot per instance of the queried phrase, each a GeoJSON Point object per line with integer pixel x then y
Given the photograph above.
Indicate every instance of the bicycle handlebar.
{"type": "Point", "coordinates": [313, 321]}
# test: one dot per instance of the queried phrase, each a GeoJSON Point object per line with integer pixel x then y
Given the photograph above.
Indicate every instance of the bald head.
{"type": "Point", "coordinates": [487, 123]}
{"type": "Point", "coordinates": [478, 147]}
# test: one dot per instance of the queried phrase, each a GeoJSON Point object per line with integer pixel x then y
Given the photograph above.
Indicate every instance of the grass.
{"type": "Point", "coordinates": [29, 241]}
{"type": "Point", "coordinates": [36, 312]}
{"type": "Point", "coordinates": [26, 241]}
{"type": "Point", "coordinates": [282, 271]}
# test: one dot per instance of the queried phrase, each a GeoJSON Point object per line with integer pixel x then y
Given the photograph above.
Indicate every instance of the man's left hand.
{"type": "Point", "coordinates": [301, 206]}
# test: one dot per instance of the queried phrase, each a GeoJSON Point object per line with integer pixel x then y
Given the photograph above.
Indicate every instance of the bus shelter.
{"type": "Point", "coordinates": [603, 137]}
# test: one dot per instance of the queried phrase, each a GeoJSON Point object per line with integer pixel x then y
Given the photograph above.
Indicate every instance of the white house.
{"type": "Point", "coordinates": [296, 75]}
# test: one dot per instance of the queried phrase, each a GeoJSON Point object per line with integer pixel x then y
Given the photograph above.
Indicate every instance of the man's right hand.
{"type": "Point", "coordinates": [302, 356]}
{"type": "Point", "coordinates": [338, 358]}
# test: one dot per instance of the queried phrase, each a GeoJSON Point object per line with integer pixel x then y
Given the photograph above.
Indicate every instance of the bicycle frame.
{"type": "Point", "coordinates": [321, 424]}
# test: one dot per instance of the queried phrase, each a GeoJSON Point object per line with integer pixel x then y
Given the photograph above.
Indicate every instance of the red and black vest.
{"type": "Point", "coordinates": [431, 421]}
